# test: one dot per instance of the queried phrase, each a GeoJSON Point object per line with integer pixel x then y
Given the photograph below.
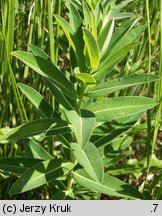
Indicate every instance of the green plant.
{"type": "Point", "coordinates": [92, 116]}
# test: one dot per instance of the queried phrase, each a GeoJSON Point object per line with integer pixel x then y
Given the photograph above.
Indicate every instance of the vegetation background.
{"type": "Point", "coordinates": [24, 22]}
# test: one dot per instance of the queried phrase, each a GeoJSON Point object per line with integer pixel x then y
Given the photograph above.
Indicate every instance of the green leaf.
{"type": "Point", "coordinates": [82, 125]}
{"type": "Point", "coordinates": [118, 107]}
{"type": "Point", "coordinates": [46, 126]}
{"type": "Point", "coordinates": [134, 166]}
{"type": "Point", "coordinates": [117, 145]}
{"type": "Point", "coordinates": [106, 88]}
{"type": "Point", "coordinates": [105, 36]}
{"type": "Point", "coordinates": [74, 17]}
{"type": "Point", "coordinates": [46, 69]}
{"type": "Point", "coordinates": [37, 100]}
{"type": "Point", "coordinates": [115, 148]}
{"type": "Point", "coordinates": [117, 8]}
{"type": "Point", "coordinates": [128, 38]}
{"type": "Point", "coordinates": [90, 159]}
{"type": "Point", "coordinates": [17, 165]}
{"type": "Point", "coordinates": [68, 30]}
{"type": "Point", "coordinates": [35, 150]}
{"type": "Point", "coordinates": [40, 174]}
{"type": "Point", "coordinates": [112, 60]}
{"type": "Point", "coordinates": [38, 52]}
{"type": "Point", "coordinates": [122, 15]}
{"type": "Point", "coordinates": [87, 79]}
{"type": "Point", "coordinates": [73, 40]}
{"type": "Point", "coordinates": [110, 186]}
{"type": "Point", "coordinates": [114, 129]}
{"type": "Point", "coordinates": [92, 48]}
{"type": "Point", "coordinates": [87, 15]}
{"type": "Point", "coordinates": [120, 32]}
{"type": "Point", "coordinates": [60, 97]}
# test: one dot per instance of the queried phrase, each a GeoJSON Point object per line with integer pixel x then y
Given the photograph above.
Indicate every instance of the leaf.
{"type": "Point", "coordinates": [35, 150]}
{"type": "Point", "coordinates": [40, 174]}
{"type": "Point", "coordinates": [89, 158]}
{"type": "Point", "coordinates": [114, 148]}
{"type": "Point", "coordinates": [75, 19]}
{"type": "Point", "coordinates": [110, 186]}
{"type": "Point", "coordinates": [47, 69]}
{"type": "Point", "coordinates": [118, 145]}
{"type": "Point", "coordinates": [105, 36]}
{"type": "Point", "coordinates": [82, 125]}
{"type": "Point", "coordinates": [106, 88]}
{"type": "Point", "coordinates": [73, 40]}
{"type": "Point", "coordinates": [117, 128]}
{"type": "Point", "coordinates": [39, 52]}
{"type": "Point", "coordinates": [118, 107]}
{"type": "Point", "coordinates": [134, 166]}
{"type": "Point", "coordinates": [37, 100]}
{"type": "Point", "coordinates": [87, 15]}
{"type": "Point", "coordinates": [17, 165]}
{"type": "Point", "coordinates": [60, 97]}
{"type": "Point", "coordinates": [92, 48]}
{"type": "Point", "coordinates": [46, 126]}
{"type": "Point", "coordinates": [122, 15]}
{"type": "Point", "coordinates": [59, 75]}
{"type": "Point", "coordinates": [120, 32]}
{"type": "Point", "coordinates": [69, 32]}
{"type": "Point", "coordinates": [86, 79]}
{"type": "Point", "coordinates": [117, 8]}
{"type": "Point", "coordinates": [128, 38]}
{"type": "Point", "coordinates": [103, 68]}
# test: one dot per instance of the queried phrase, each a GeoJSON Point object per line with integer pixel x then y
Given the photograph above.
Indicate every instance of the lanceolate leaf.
{"type": "Point", "coordinates": [35, 150]}
{"type": "Point", "coordinates": [120, 32]}
{"type": "Point", "coordinates": [75, 19]}
{"type": "Point", "coordinates": [73, 40]}
{"type": "Point", "coordinates": [120, 6]}
{"type": "Point", "coordinates": [69, 32]}
{"type": "Point", "coordinates": [17, 165]}
{"type": "Point", "coordinates": [105, 36]}
{"type": "Point", "coordinates": [117, 128]}
{"type": "Point", "coordinates": [122, 15]}
{"type": "Point", "coordinates": [37, 100]}
{"type": "Point", "coordinates": [110, 61]}
{"type": "Point", "coordinates": [90, 159]}
{"type": "Point", "coordinates": [92, 47]}
{"type": "Point", "coordinates": [60, 97]}
{"type": "Point", "coordinates": [82, 125]}
{"type": "Point", "coordinates": [38, 52]}
{"type": "Point", "coordinates": [110, 186]}
{"type": "Point", "coordinates": [128, 38]}
{"type": "Point", "coordinates": [46, 126]}
{"type": "Point", "coordinates": [106, 88]}
{"type": "Point", "coordinates": [47, 69]}
{"type": "Point", "coordinates": [40, 174]}
{"type": "Point", "coordinates": [115, 148]}
{"type": "Point", "coordinates": [87, 15]}
{"type": "Point", "coordinates": [118, 107]}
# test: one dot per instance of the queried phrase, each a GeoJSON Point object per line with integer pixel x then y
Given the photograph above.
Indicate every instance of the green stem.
{"type": "Point", "coordinates": [159, 89]}
{"type": "Point", "coordinates": [149, 136]}
{"type": "Point", "coordinates": [51, 33]}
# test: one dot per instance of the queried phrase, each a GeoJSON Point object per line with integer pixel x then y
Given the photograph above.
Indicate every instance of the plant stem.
{"type": "Point", "coordinates": [51, 33]}
{"type": "Point", "coordinates": [159, 88]}
{"type": "Point", "coordinates": [149, 134]}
